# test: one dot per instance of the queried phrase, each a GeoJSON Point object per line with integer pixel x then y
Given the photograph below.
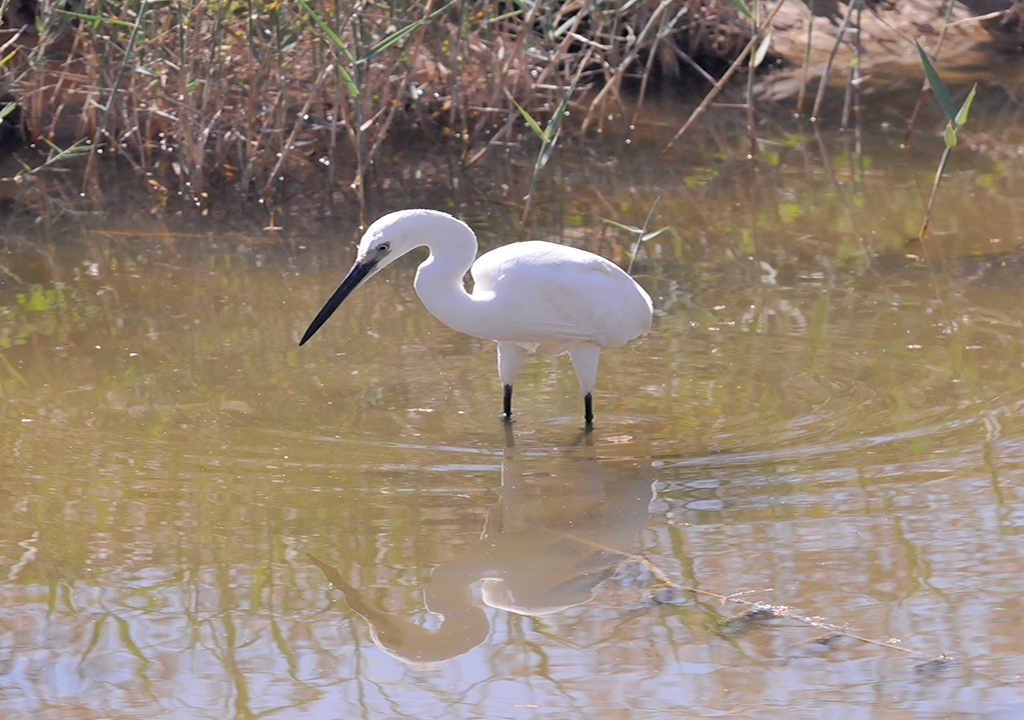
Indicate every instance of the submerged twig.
{"type": "Point", "coordinates": [766, 611]}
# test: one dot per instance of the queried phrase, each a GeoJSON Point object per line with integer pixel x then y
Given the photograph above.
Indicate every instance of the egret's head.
{"type": "Point", "coordinates": [386, 240]}
{"type": "Point", "coordinates": [397, 233]}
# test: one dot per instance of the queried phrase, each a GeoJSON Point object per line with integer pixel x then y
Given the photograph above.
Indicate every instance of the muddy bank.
{"type": "Point", "coordinates": [974, 41]}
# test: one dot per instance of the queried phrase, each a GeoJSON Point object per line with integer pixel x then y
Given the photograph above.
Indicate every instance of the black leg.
{"type": "Point", "coordinates": [507, 414]}
{"type": "Point", "coordinates": [588, 410]}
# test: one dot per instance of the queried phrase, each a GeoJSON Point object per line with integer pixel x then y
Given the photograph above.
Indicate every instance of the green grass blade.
{"type": "Point", "coordinates": [95, 18]}
{"type": "Point", "coordinates": [938, 87]}
{"type": "Point", "coordinates": [545, 154]}
{"type": "Point", "coordinates": [391, 39]}
{"type": "Point", "coordinates": [627, 228]}
{"type": "Point", "coordinates": [743, 9]}
{"type": "Point", "coordinates": [554, 124]}
{"type": "Point", "coordinates": [961, 117]}
{"type": "Point", "coordinates": [401, 33]}
{"type": "Point", "coordinates": [556, 119]}
{"type": "Point", "coordinates": [57, 154]}
{"type": "Point", "coordinates": [762, 50]}
{"type": "Point", "coordinates": [346, 78]}
{"type": "Point", "coordinates": [328, 31]}
{"type": "Point", "coordinates": [504, 16]}
{"type": "Point", "coordinates": [8, 57]}
{"type": "Point", "coordinates": [537, 129]}
{"type": "Point", "coordinates": [644, 235]}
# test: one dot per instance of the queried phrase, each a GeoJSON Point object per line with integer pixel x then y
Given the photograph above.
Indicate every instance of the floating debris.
{"type": "Point", "coordinates": [935, 665]}
{"type": "Point", "coordinates": [817, 646]}
{"type": "Point", "coordinates": [754, 616]}
{"type": "Point", "coordinates": [668, 595]}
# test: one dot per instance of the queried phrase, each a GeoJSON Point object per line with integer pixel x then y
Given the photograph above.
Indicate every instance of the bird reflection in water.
{"type": "Point", "coordinates": [552, 538]}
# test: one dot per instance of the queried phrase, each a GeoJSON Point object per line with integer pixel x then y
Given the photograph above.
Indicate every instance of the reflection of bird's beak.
{"type": "Point", "coordinates": [356, 275]}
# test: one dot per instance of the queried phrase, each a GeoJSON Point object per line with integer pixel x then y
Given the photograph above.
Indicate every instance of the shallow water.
{"type": "Point", "coordinates": [802, 498]}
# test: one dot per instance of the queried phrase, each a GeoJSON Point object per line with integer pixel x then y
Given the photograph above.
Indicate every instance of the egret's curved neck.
{"type": "Point", "coordinates": [440, 278]}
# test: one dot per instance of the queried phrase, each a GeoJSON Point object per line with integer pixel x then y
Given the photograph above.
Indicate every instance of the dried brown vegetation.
{"type": "Point", "coordinates": [197, 95]}
{"type": "Point", "coordinates": [230, 99]}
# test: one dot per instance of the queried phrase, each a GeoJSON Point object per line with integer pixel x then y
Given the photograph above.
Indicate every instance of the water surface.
{"type": "Point", "coordinates": [802, 498]}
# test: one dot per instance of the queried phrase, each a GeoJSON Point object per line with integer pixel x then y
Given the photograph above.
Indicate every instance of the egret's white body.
{"type": "Point", "coordinates": [528, 296]}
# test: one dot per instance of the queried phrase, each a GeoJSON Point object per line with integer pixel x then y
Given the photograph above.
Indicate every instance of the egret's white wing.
{"type": "Point", "coordinates": [547, 293]}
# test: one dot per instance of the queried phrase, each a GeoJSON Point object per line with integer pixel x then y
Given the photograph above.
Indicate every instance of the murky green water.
{"type": "Point", "coordinates": [821, 435]}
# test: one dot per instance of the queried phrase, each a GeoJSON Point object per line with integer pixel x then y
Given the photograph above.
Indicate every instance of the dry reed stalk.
{"type": "Point", "coordinates": [850, 97]}
{"type": "Point", "coordinates": [722, 81]}
{"type": "Point", "coordinates": [823, 81]}
{"type": "Point", "coordinates": [751, 67]}
{"type": "Point", "coordinates": [807, 59]}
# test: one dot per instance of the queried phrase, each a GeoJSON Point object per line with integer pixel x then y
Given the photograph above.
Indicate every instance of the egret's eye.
{"type": "Point", "coordinates": [383, 247]}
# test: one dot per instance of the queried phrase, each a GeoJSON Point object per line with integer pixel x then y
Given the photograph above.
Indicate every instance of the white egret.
{"type": "Point", "coordinates": [528, 296]}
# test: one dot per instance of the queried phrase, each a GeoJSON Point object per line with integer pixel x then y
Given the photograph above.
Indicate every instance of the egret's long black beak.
{"type": "Point", "coordinates": [355, 276]}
